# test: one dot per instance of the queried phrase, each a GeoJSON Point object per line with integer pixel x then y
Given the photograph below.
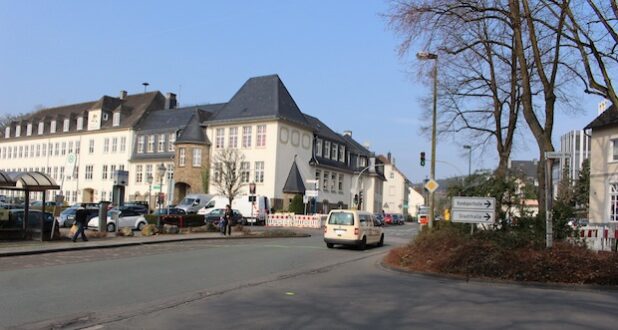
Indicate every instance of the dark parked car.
{"type": "Point", "coordinates": [172, 211]}
{"type": "Point", "coordinates": [67, 217]}
{"type": "Point", "coordinates": [215, 215]}
{"type": "Point", "coordinates": [398, 219]}
{"type": "Point", "coordinates": [141, 208]}
{"type": "Point", "coordinates": [16, 220]}
{"type": "Point", "coordinates": [379, 219]}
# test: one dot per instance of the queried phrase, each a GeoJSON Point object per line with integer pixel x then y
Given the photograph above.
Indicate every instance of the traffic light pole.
{"type": "Point", "coordinates": [433, 140]}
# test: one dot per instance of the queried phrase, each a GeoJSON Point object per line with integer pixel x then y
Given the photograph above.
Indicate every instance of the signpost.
{"type": "Point", "coordinates": [549, 159]}
{"type": "Point", "coordinates": [473, 209]}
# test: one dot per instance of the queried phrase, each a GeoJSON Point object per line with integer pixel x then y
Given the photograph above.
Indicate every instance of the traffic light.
{"type": "Point", "coordinates": [356, 199]}
{"type": "Point", "coordinates": [422, 158]}
{"type": "Point", "coordinates": [360, 197]}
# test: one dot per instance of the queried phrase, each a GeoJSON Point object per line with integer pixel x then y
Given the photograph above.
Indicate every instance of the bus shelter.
{"type": "Point", "coordinates": [20, 221]}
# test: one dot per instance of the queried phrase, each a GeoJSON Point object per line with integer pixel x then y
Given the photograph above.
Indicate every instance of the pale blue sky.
{"type": "Point", "coordinates": [337, 58]}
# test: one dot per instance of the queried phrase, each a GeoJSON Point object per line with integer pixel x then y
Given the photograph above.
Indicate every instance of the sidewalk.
{"type": "Point", "coordinates": [17, 248]}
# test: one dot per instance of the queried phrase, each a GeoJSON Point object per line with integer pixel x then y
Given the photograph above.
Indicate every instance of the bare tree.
{"type": "Point", "coordinates": [227, 177]}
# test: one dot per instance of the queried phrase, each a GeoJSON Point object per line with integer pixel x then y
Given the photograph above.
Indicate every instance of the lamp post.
{"type": "Point", "coordinates": [149, 179]}
{"type": "Point", "coordinates": [355, 189]}
{"type": "Point", "coordinates": [469, 147]}
{"type": "Point", "coordinates": [424, 56]}
{"type": "Point", "coordinates": [160, 173]}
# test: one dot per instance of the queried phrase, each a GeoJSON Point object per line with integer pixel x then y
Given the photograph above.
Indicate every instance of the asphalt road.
{"type": "Point", "coordinates": [273, 284]}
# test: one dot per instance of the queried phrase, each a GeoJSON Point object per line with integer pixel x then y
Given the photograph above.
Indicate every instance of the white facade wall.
{"type": "Point", "coordinates": [395, 194]}
{"type": "Point", "coordinates": [415, 200]}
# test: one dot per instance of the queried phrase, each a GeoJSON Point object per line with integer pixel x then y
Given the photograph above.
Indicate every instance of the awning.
{"type": "Point", "coordinates": [31, 181]}
{"type": "Point", "coordinates": [6, 181]}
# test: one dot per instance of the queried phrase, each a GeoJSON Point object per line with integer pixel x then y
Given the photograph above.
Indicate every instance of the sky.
{"type": "Point", "coordinates": [338, 59]}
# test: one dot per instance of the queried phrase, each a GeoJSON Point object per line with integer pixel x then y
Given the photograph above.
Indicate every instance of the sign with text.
{"type": "Point", "coordinates": [311, 193]}
{"type": "Point", "coordinates": [474, 203]}
{"type": "Point", "coordinates": [473, 216]}
{"type": "Point", "coordinates": [473, 209]}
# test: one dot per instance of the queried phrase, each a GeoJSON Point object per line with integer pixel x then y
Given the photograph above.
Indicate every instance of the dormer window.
{"type": "Point", "coordinates": [52, 127]}
{"type": "Point", "coordinates": [116, 119]}
{"type": "Point", "coordinates": [342, 153]}
{"type": "Point", "coordinates": [29, 129]}
{"type": "Point", "coordinates": [105, 116]}
{"type": "Point", "coordinates": [41, 128]}
{"type": "Point", "coordinates": [318, 147]}
{"type": "Point", "coordinates": [327, 149]}
{"type": "Point", "coordinates": [7, 132]}
{"type": "Point", "coordinates": [18, 131]}
{"type": "Point", "coordinates": [65, 128]}
{"type": "Point", "coordinates": [335, 152]}
{"type": "Point", "coordinates": [80, 123]}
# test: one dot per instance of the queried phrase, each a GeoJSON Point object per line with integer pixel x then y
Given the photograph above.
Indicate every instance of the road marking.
{"type": "Point", "coordinates": [96, 327]}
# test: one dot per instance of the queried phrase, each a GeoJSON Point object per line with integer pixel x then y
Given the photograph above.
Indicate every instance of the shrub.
{"type": "Point", "coordinates": [297, 206]}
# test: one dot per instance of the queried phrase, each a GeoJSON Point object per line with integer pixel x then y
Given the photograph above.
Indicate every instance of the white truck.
{"type": "Point", "coordinates": [193, 202]}
{"type": "Point", "coordinates": [252, 212]}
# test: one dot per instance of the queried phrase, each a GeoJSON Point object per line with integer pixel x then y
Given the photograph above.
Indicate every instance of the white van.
{"type": "Point", "coordinates": [193, 202]}
{"type": "Point", "coordinates": [352, 227]}
{"type": "Point", "coordinates": [251, 212]}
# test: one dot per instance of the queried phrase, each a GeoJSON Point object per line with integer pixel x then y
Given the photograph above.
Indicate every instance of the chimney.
{"type": "Point", "coordinates": [123, 94]}
{"type": "Point", "coordinates": [388, 156]}
{"type": "Point", "coordinates": [347, 133]}
{"type": "Point", "coordinates": [170, 101]}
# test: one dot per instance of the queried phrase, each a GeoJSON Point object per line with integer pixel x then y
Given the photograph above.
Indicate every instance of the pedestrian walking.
{"type": "Point", "coordinates": [81, 218]}
{"type": "Point", "coordinates": [229, 218]}
{"type": "Point", "coordinates": [223, 225]}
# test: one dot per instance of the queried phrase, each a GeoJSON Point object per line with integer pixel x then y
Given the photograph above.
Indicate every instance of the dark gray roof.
{"type": "Point", "coordinates": [193, 132]}
{"type": "Point", "coordinates": [527, 168]}
{"type": "Point", "coordinates": [606, 118]}
{"type": "Point", "coordinates": [356, 147]}
{"type": "Point", "coordinates": [261, 98]}
{"type": "Point", "coordinates": [294, 184]}
{"type": "Point", "coordinates": [176, 118]}
{"type": "Point", "coordinates": [322, 130]}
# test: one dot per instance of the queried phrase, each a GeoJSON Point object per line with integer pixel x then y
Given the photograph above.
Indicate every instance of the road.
{"type": "Point", "coordinates": [272, 283]}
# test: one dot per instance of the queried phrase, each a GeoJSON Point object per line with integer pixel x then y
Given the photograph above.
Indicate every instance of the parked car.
{"type": "Point", "coordinates": [67, 217]}
{"type": "Point", "coordinates": [398, 219]}
{"type": "Point", "coordinates": [379, 219]}
{"type": "Point", "coordinates": [193, 202]}
{"type": "Point", "coordinates": [126, 218]}
{"type": "Point", "coordinates": [85, 205]}
{"type": "Point", "coordinates": [216, 214]}
{"type": "Point", "coordinates": [139, 207]}
{"type": "Point", "coordinates": [16, 220]}
{"type": "Point", "coordinates": [171, 210]}
{"type": "Point", "coordinates": [47, 204]}
{"type": "Point", "coordinates": [388, 219]}
{"type": "Point", "coordinates": [252, 211]}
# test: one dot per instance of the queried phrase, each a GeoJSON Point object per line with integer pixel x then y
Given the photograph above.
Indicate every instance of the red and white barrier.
{"type": "Point", "coordinates": [599, 237]}
{"type": "Point", "coordinates": [293, 220]}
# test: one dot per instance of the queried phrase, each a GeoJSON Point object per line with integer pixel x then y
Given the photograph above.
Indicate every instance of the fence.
{"type": "Point", "coordinates": [294, 220]}
{"type": "Point", "coordinates": [600, 237]}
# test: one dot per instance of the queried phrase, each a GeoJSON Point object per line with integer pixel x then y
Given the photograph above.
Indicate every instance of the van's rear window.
{"type": "Point", "coordinates": [341, 218]}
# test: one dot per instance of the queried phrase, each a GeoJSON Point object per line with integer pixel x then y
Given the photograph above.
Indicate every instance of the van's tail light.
{"type": "Point", "coordinates": [355, 231]}
{"type": "Point", "coordinates": [325, 230]}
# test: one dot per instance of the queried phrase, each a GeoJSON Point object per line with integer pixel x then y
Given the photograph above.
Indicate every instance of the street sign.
{"type": "Point", "coordinates": [305, 199]}
{"type": "Point", "coordinates": [474, 203]}
{"type": "Point", "coordinates": [156, 187]}
{"type": "Point", "coordinates": [557, 154]}
{"type": "Point", "coordinates": [473, 216]}
{"type": "Point", "coordinates": [431, 185]}
{"type": "Point", "coordinates": [311, 193]}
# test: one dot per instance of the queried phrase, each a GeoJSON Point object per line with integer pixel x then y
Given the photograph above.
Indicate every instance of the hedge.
{"type": "Point", "coordinates": [182, 221]}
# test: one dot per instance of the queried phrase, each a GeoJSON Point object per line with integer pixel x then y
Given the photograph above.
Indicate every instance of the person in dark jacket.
{"type": "Point", "coordinates": [229, 219]}
{"type": "Point", "coordinates": [81, 220]}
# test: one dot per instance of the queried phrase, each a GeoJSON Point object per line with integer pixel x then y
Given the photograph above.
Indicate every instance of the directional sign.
{"type": "Point", "coordinates": [311, 193]}
{"type": "Point", "coordinates": [557, 154]}
{"type": "Point", "coordinates": [431, 185]}
{"type": "Point", "coordinates": [473, 216]}
{"type": "Point", "coordinates": [474, 203]}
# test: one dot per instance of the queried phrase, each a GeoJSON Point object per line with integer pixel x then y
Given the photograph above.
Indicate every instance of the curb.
{"type": "Point", "coordinates": [124, 244]}
{"type": "Point", "coordinates": [480, 280]}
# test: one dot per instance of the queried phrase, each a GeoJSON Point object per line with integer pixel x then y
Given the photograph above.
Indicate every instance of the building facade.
{"type": "Point", "coordinates": [395, 188]}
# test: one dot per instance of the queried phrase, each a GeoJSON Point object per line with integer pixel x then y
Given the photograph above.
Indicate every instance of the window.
{"type": "Point", "coordinates": [233, 142]}
{"type": "Point", "coordinates": [120, 167]}
{"type": "Point", "coordinates": [51, 149]}
{"type": "Point", "coordinates": [615, 150]}
{"type": "Point", "coordinates": [259, 172]}
{"type": "Point", "coordinates": [333, 182]}
{"type": "Point", "coordinates": [148, 173]}
{"type": "Point", "coordinates": [80, 123]}
{"type": "Point", "coordinates": [41, 128]}
{"type": "Point", "coordinates": [106, 145]}
{"type": "Point", "coordinates": [90, 147]}
{"type": "Point", "coordinates": [38, 150]}
{"type": "Point", "coordinates": [70, 147]}
{"type": "Point", "coordinates": [318, 147]}
{"type": "Point", "coordinates": [29, 129]}
{"type": "Point", "coordinates": [161, 143]}
{"type": "Point", "coordinates": [112, 170]}
{"type": "Point", "coordinates": [104, 172]}
{"type": "Point", "coordinates": [151, 143]}
{"type": "Point", "coordinates": [335, 152]}
{"type": "Point", "coordinates": [325, 181]}
{"type": "Point", "coordinates": [65, 128]}
{"type": "Point", "coordinates": [327, 149]}
{"type": "Point", "coordinates": [75, 172]}
{"type": "Point", "coordinates": [52, 127]}
{"type": "Point", "coordinates": [613, 203]}
{"type": "Point", "coordinates": [341, 183]}
{"type": "Point", "coordinates": [246, 136]}
{"type": "Point", "coordinates": [89, 172]}
{"type": "Point", "coordinates": [170, 143]}
{"type": "Point", "coordinates": [170, 172]}
{"type": "Point", "coordinates": [64, 149]}
{"type": "Point", "coordinates": [392, 175]}
{"type": "Point", "coordinates": [219, 138]}
{"type": "Point", "coordinates": [318, 177]}
{"type": "Point", "coordinates": [123, 144]}
{"type": "Point", "coordinates": [77, 147]}
{"type": "Point", "coordinates": [261, 136]}
{"type": "Point", "coordinates": [197, 157]}
{"type": "Point", "coordinates": [245, 169]}
{"type": "Point", "coordinates": [114, 144]}
{"type": "Point", "coordinates": [44, 151]}
{"type": "Point", "coordinates": [7, 132]}
{"type": "Point", "coordinates": [61, 172]}
{"type": "Point", "coordinates": [217, 172]}
{"type": "Point", "coordinates": [342, 153]}
{"type": "Point", "coordinates": [18, 131]}
{"type": "Point", "coordinates": [140, 144]}
{"type": "Point", "coordinates": [116, 119]}
{"type": "Point", "coordinates": [181, 157]}
{"type": "Point", "coordinates": [21, 151]}
{"type": "Point", "coordinates": [363, 161]}
{"type": "Point", "coordinates": [103, 195]}
{"type": "Point", "coordinates": [139, 176]}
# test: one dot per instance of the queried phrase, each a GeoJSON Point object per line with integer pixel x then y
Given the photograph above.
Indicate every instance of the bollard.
{"type": "Point", "coordinates": [103, 216]}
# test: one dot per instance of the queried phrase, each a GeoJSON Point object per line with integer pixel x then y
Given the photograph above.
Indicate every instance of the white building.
{"type": "Point", "coordinates": [395, 188]}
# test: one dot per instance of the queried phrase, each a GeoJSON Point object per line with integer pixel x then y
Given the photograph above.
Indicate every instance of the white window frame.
{"type": "Point", "coordinates": [327, 149]}
{"type": "Point", "coordinates": [89, 172]}
{"type": "Point", "coordinates": [233, 138]}
{"type": "Point", "coordinates": [106, 145]}
{"type": "Point", "coordinates": [196, 157]}
{"type": "Point", "coordinates": [170, 143]}
{"type": "Point", "coordinates": [334, 152]}
{"type": "Point", "coordinates": [80, 123]}
{"type": "Point", "coordinates": [261, 136]}
{"type": "Point", "coordinates": [318, 177]}
{"type": "Point", "coordinates": [325, 179]}
{"type": "Point", "coordinates": [613, 202]}
{"type": "Point", "coordinates": [151, 143]}
{"type": "Point", "coordinates": [29, 129]}
{"type": "Point", "coordinates": [139, 174]}
{"type": "Point", "coordinates": [18, 131]}
{"type": "Point", "coordinates": [217, 169]}
{"type": "Point", "coordinates": [67, 124]}
{"type": "Point", "coordinates": [116, 119]}
{"type": "Point", "coordinates": [104, 172]}
{"type": "Point", "coordinates": [52, 127]}
{"type": "Point", "coordinates": [140, 144]}
{"type": "Point", "coordinates": [340, 188]}
{"type": "Point", "coordinates": [259, 172]}
{"type": "Point", "coordinates": [182, 157]}
{"type": "Point", "coordinates": [90, 146]}
{"type": "Point", "coordinates": [123, 144]}
{"type": "Point", "coordinates": [245, 172]}
{"type": "Point", "coordinates": [115, 144]}
{"type": "Point", "coordinates": [246, 136]}
{"type": "Point", "coordinates": [161, 143]}
{"type": "Point", "coordinates": [318, 147]}
{"type": "Point", "coordinates": [219, 138]}
{"type": "Point", "coordinates": [342, 153]}
{"type": "Point", "coordinates": [41, 128]}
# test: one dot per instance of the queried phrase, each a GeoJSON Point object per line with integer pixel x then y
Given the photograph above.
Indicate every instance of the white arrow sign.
{"type": "Point", "coordinates": [311, 193]}
{"type": "Point", "coordinates": [474, 203]}
{"type": "Point", "coordinates": [473, 216]}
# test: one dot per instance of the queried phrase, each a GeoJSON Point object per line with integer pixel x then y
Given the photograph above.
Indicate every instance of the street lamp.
{"type": "Point", "coordinates": [160, 173]}
{"type": "Point", "coordinates": [149, 179]}
{"type": "Point", "coordinates": [355, 190]}
{"type": "Point", "coordinates": [469, 147]}
{"type": "Point", "coordinates": [425, 56]}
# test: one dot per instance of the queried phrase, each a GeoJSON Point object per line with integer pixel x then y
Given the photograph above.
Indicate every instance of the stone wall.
{"type": "Point", "coordinates": [189, 174]}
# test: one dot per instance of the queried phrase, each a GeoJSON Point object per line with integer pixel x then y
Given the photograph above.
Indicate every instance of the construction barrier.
{"type": "Point", "coordinates": [293, 220]}
{"type": "Point", "coordinates": [600, 237]}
